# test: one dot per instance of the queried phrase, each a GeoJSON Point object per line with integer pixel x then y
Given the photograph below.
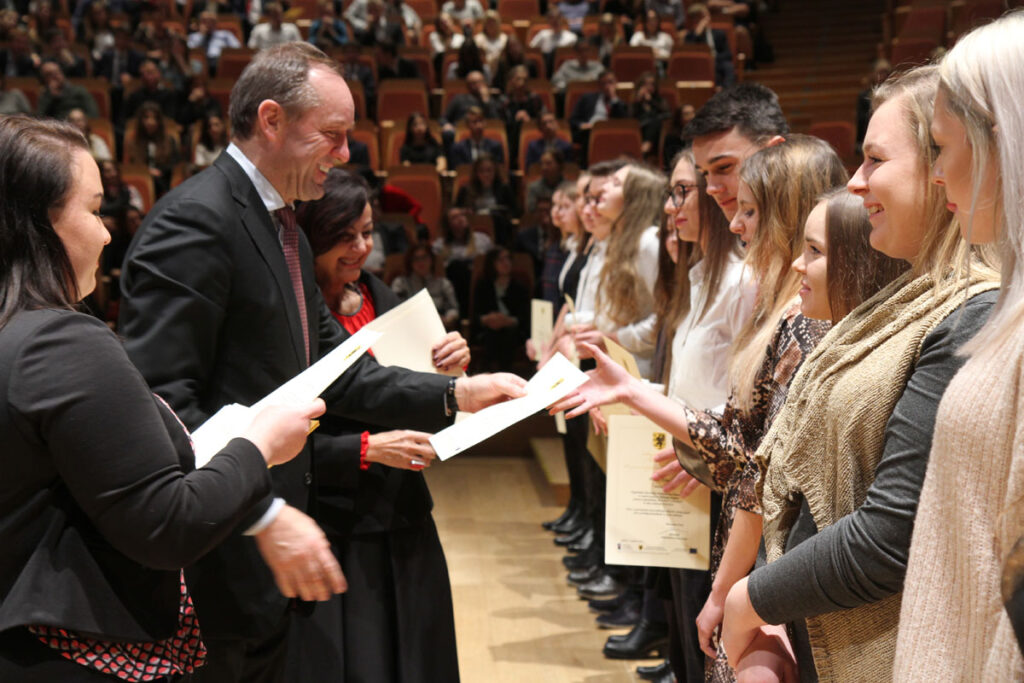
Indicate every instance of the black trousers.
{"type": "Point", "coordinates": [245, 660]}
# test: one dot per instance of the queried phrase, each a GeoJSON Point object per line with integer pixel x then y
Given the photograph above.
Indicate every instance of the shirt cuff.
{"type": "Point", "coordinates": [268, 517]}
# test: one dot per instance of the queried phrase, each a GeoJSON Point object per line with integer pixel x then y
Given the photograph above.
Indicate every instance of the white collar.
{"type": "Point", "coordinates": [270, 196]}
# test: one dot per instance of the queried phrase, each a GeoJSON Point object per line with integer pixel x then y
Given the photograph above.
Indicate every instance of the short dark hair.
{"type": "Point", "coordinates": [281, 74]}
{"type": "Point", "coordinates": [36, 168]}
{"type": "Point", "coordinates": [324, 220]}
{"type": "Point", "coordinates": [751, 108]}
{"type": "Point", "coordinates": [603, 169]}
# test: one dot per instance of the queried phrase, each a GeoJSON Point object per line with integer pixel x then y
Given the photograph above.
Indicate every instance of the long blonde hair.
{"type": "Point", "coordinates": [785, 181]}
{"type": "Point", "coordinates": [621, 292]}
{"type": "Point", "coordinates": [982, 78]}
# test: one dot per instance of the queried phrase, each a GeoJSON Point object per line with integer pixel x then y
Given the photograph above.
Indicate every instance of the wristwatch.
{"type": "Point", "coordinates": [451, 405]}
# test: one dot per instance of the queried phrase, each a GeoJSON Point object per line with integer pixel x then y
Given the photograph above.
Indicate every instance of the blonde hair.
{"type": "Point", "coordinates": [982, 78]}
{"type": "Point", "coordinates": [625, 297]}
{"type": "Point", "coordinates": [785, 181]}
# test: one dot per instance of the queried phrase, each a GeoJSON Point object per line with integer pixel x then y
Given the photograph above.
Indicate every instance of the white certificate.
{"type": "Point", "coordinates": [410, 330]}
{"type": "Point", "coordinates": [232, 420]}
{"type": "Point", "coordinates": [555, 380]}
{"type": "Point", "coordinates": [644, 526]}
{"type": "Point", "coordinates": [542, 328]}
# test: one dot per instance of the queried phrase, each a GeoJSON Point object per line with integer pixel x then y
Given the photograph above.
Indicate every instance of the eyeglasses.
{"type": "Point", "coordinates": [591, 198]}
{"type": "Point", "coordinates": [678, 193]}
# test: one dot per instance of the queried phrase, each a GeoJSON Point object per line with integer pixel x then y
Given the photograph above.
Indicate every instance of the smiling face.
{"type": "Point", "coordinates": [953, 171]}
{"type": "Point", "coordinates": [342, 263]}
{"type": "Point", "coordinates": [890, 183]}
{"type": "Point", "coordinates": [744, 223]}
{"type": "Point", "coordinates": [719, 158]}
{"type": "Point", "coordinates": [812, 264]}
{"type": "Point", "coordinates": [78, 223]}
{"type": "Point", "coordinates": [683, 215]}
{"type": "Point", "coordinates": [307, 145]}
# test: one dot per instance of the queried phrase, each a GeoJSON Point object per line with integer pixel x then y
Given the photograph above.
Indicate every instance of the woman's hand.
{"type": "Point", "coordinates": [609, 383]}
{"type": "Point", "coordinates": [673, 475]}
{"type": "Point", "coordinates": [769, 659]}
{"type": "Point", "coordinates": [584, 335]}
{"type": "Point", "coordinates": [598, 421]}
{"type": "Point", "coordinates": [451, 352]}
{"type": "Point", "coordinates": [707, 621]}
{"type": "Point", "coordinates": [402, 449]}
{"type": "Point", "coordinates": [280, 431]}
{"type": "Point", "coordinates": [741, 621]}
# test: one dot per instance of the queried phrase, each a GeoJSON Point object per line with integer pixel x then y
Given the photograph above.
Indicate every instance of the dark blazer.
{"type": "Point", "coordinates": [98, 513]}
{"type": "Point", "coordinates": [485, 300]}
{"type": "Point", "coordinates": [584, 110]}
{"type": "Point", "coordinates": [351, 501]}
{"type": "Point", "coordinates": [536, 149]}
{"type": "Point", "coordinates": [462, 152]}
{"type": "Point", "coordinates": [210, 318]}
{"type": "Point", "coordinates": [104, 67]}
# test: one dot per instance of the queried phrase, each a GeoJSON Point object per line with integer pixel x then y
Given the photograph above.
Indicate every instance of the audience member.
{"type": "Point", "coordinates": [500, 315]}
{"type": "Point", "coordinates": [151, 89]}
{"type": "Point", "coordinates": [12, 100]}
{"type": "Point", "coordinates": [58, 97]}
{"type": "Point", "coordinates": [419, 146]}
{"type": "Point", "coordinates": [650, 110]}
{"type": "Point", "coordinates": [212, 40]}
{"type": "Point", "coordinates": [549, 39]}
{"type": "Point", "coordinates": [548, 124]}
{"type": "Point", "coordinates": [466, 12]}
{"type": "Point", "coordinates": [457, 249]}
{"type": "Point", "coordinates": [583, 68]}
{"type": "Point", "coordinates": [117, 195]}
{"type": "Point", "coordinates": [698, 31]}
{"type": "Point", "coordinates": [328, 30]}
{"type": "Point", "coordinates": [392, 65]}
{"type": "Point", "coordinates": [607, 38]}
{"type": "Point", "coordinates": [491, 40]}
{"type": "Point", "coordinates": [152, 145]}
{"type": "Point", "coordinates": [544, 187]}
{"type": "Point", "coordinates": [512, 56]}
{"type": "Point", "coordinates": [19, 56]}
{"type": "Point", "coordinates": [476, 145]}
{"type": "Point", "coordinates": [95, 31]}
{"type": "Point", "coordinates": [487, 192]}
{"type": "Point", "coordinates": [97, 146]}
{"type": "Point", "coordinates": [673, 10]}
{"type": "Point", "coordinates": [469, 59]}
{"type": "Point", "coordinates": [420, 273]}
{"type": "Point", "coordinates": [55, 47]}
{"type": "Point", "coordinates": [447, 35]}
{"type": "Point", "coordinates": [477, 95]}
{"type": "Point", "coordinates": [213, 139]}
{"type": "Point", "coordinates": [651, 35]}
{"type": "Point", "coordinates": [273, 31]}
{"type": "Point", "coordinates": [597, 106]}
{"type": "Point", "coordinates": [375, 21]}
{"type": "Point", "coordinates": [574, 11]}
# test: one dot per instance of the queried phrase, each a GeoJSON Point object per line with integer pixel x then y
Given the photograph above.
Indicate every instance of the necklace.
{"type": "Point", "coordinates": [351, 300]}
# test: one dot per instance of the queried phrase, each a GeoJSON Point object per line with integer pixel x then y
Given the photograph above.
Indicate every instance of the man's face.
{"type": "Point", "coordinates": [719, 158]}
{"type": "Point", "coordinates": [53, 77]}
{"type": "Point", "coordinates": [476, 126]}
{"type": "Point", "coordinates": [475, 82]}
{"type": "Point", "coordinates": [548, 125]}
{"type": "Point", "coordinates": [306, 146]}
{"type": "Point", "coordinates": [150, 75]}
{"type": "Point", "coordinates": [607, 85]}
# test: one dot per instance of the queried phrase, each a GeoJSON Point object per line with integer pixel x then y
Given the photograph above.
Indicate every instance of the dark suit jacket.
{"type": "Point", "coordinates": [210, 318]}
{"type": "Point", "coordinates": [485, 300]}
{"type": "Point", "coordinates": [462, 152]}
{"type": "Point", "coordinates": [379, 499]}
{"type": "Point", "coordinates": [98, 515]}
{"type": "Point", "coordinates": [104, 67]}
{"type": "Point", "coordinates": [536, 148]}
{"type": "Point", "coordinates": [584, 110]}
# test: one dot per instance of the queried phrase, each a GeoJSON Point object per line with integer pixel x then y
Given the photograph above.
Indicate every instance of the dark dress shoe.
{"type": "Point", "coordinates": [655, 672]}
{"type": "Point", "coordinates": [625, 616]}
{"type": "Point", "coordinates": [606, 605]}
{"type": "Point", "coordinates": [571, 524]}
{"type": "Point", "coordinates": [578, 577]}
{"type": "Point", "coordinates": [667, 677]}
{"type": "Point", "coordinates": [585, 543]}
{"type": "Point", "coordinates": [587, 559]}
{"type": "Point", "coordinates": [645, 641]}
{"type": "Point", "coordinates": [604, 586]}
{"type": "Point", "coordinates": [569, 539]}
{"type": "Point", "coordinates": [568, 514]}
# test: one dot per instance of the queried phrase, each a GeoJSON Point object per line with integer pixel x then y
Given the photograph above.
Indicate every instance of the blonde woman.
{"type": "Point", "coordinates": [970, 519]}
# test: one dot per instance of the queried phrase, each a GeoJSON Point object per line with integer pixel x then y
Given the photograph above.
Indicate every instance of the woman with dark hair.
{"type": "Point", "coordinates": [470, 59]}
{"type": "Point", "coordinates": [396, 622]}
{"type": "Point", "coordinates": [117, 196]}
{"type": "Point", "coordinates": [420, 266]}
{"type": "Point", "coordinates": [101, 504]}
{"type": "Point", "coordinates": [512, 56]}
{"type": "Point", "coordinates": [500, 311]}
{"type": "Point", "coordinates": [213, 139]}
{"type": "Point", "coordinates": [419, 146]}
{"type": "Point", "coordinates": [486, 192]}
{"type": "Point", "coordinates": [153, 146]}
{"type": "Point", "coordinates": [650, 109]}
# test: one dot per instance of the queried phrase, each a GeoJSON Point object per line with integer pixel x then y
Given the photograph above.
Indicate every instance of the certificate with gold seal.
{"type": "Point", "coordinates": [644, 526]}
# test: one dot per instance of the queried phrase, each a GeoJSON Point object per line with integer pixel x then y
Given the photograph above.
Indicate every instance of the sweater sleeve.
{"type": "Point", "coordinates": [863, 557]}
{"type": "Point", "coordinates": [75, 391]}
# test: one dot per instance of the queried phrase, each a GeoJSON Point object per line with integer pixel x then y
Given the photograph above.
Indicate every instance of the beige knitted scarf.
{"type": "Point", "coordinates": [828, 439]}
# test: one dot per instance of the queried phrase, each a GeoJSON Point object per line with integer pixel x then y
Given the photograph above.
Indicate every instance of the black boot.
{"type": "Point", "coordinates": [570, 511]}
{"type": "Point", "coordinates": [655, 672]}
{"type": "Point", "coordinates": [646, 640]}
{"type": "Point", "coordinates": [575, 536]}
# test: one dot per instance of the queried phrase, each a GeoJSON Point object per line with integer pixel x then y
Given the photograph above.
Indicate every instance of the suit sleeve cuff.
{"type": "Point", "coordinates": [268, 517]}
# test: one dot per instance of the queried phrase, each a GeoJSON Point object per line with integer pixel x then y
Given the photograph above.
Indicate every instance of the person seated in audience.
{"type": "Point", "coordinates": [117, 195]}
{"type": "Point", "coordinates": [500, 319]}
{"type": "Point", "coordinates": [120, 62]}
{"type": "Point", "coordinates": [447, 35]}
{"type": "Point", "coordinates": [19, 57]}
{"type": "Point", "coordinates": [420, 269]}
{"type": "Point", "coordinates": [39, 19]}
{"type": "Point", "coordinates": [355, 70]}
{"type": "Point", "coordinates": [653, 37]}
{"type": "Point", "coordinates": [151, 89]}
{"type": "Point", "coordinates": [95, 31]}
{"type": "Point", "coordinates": [8, 22]}
{"type": "Point", "coordinates": [97, 145]}
{"type": "Point", "coordinates": [548, 124]}
{"type": "Point", "coordinates": [457, 248]}
{"type": "Point", "coordinates": [520, 104]}
{"type": "Point", "coordinates": [12, 100]}
{"type": "Point", "coordinates": [556, 35]}
{"type": "Point", "coordinates": [466, 12]}
{"type": "Point", "coordinates": [698, 31]}
{"type": "Point", "coordinates": [486, 192]}
{"type": "Point", "coordinates": [650, 110]}
{"type": "Point", "coordinates": [491, 40]}
{"type": "Point", "coordinates": [469, 60]}
{"type": "Point", "coordinates": [597, 106]}
{"type": "Point", "coordinates": [273, 31]}
{"type": "Point", "coordinates": [197, 104]}
{"type": "Point", "coordinates": [328, 30]}
{"type": "Point", "coordinates": [419, 146]}
{"type": "Point", "coordinates": [58, 97]}
{"type": "Point", "coordinates": [375, 21]}
{"type": "Point", "coordinates": [673, 10]}
{"type": "Point", "coordinates": [551, 162]}
{"type": "Point", "coordinates": [391, 65]}
{"type": "Point", "coordinates": [478, 96]}
{"type": "Point", "coordinates": [55, 47]}
{"type": "Point", "coordinates": [476, 145]}
{"type": "Point", "coordinates": [607, 38]}
{"type": "Point", "coordinates": [211, 40]}
{"type": "Point", "coordinates": [583, 68]}
{"type": "Point", "coordinates": [213, 139]}
{"type": "Point", "coordinates": [512, 56]}
{"type": "Point", "coordinates": [153, 146]}
{"type": "Point", "coordinates": [177, 67]}
{"type": "Point", "coordinates": [535, 234]}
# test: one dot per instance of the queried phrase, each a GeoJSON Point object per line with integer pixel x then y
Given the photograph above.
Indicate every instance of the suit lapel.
{"type": "Point", "coordinates": [263, 231]}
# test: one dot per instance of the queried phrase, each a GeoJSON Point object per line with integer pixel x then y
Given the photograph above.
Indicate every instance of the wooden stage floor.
{"type": "Point", "coordinates": [516, 618]}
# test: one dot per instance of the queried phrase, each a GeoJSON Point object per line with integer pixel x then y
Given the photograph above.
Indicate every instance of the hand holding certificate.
{"type": "Point", "coordinates": [556, 379]}
{"type": "Point", "coordinates": [410, 331]}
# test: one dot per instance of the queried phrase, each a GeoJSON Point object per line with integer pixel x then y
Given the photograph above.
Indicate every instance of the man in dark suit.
{"type": "Point", "coordinates": [596, 106]}
{"type": "Point", "coordinates": [548, 125]}
{"type": "Point", "coordinates": [476, 145]}
{"type": "Point", "coordinates": [220, 305]}
{"type": "Point", "coordinates": [152, 89]}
